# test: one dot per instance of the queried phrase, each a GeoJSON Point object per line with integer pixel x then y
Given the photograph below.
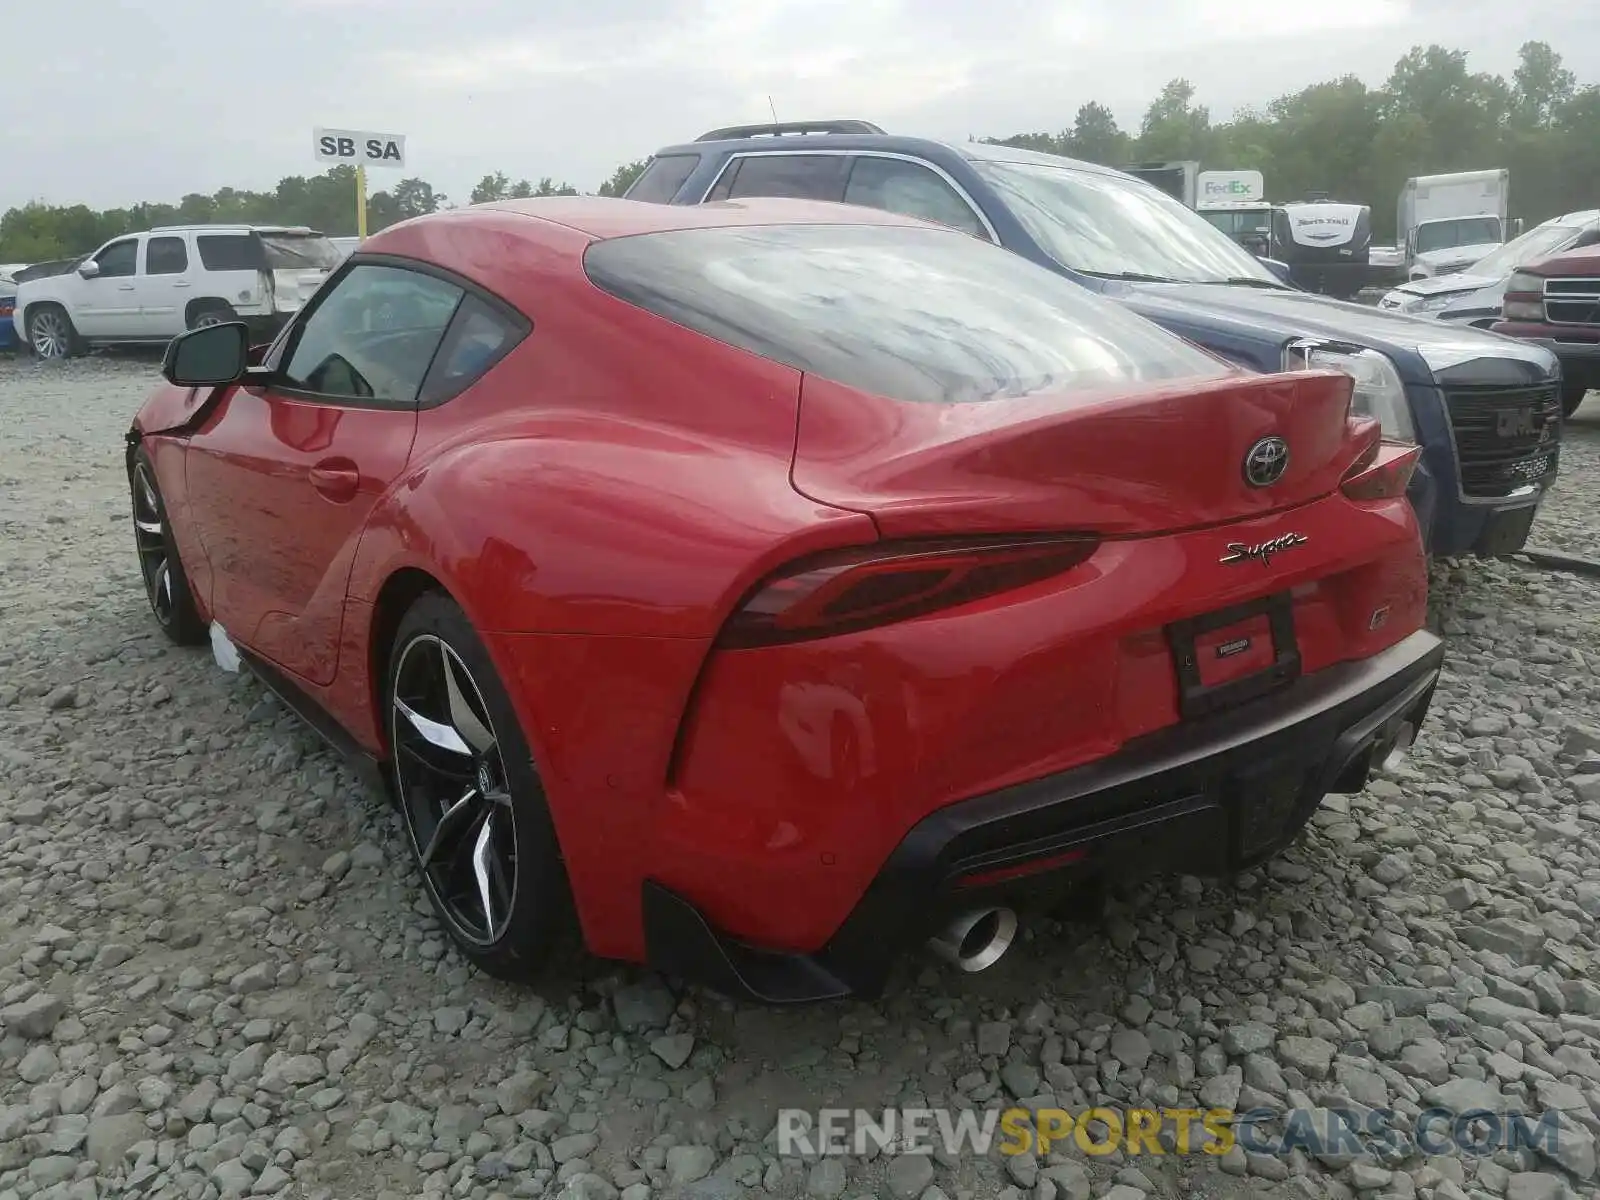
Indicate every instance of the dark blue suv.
{"type": "Point", "coordinates": [1486, 409]}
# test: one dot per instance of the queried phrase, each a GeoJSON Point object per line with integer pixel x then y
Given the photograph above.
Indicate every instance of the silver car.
{"type": "Point", "coordinates": [1473, 296]}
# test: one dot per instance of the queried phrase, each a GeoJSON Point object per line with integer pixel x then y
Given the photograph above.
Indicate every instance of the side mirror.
{"type": "Point", "coordinates": [89, 269]}
{"type": "Point", "coordinates": [208, 357]}
{"type": "Point", "coordinates": [1516, 228]}
{"type": "Point", "coordinates": [1280, 269]}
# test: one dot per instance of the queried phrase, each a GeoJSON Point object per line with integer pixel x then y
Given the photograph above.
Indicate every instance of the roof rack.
{"type": "Point", "coordinates": [782, 127]}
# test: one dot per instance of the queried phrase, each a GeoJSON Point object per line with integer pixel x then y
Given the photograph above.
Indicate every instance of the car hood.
{"type": "Point", "coordinates": [1455, 254]}
{"type": "Point", "coordinates": [1282, 315]}
{"type": "Point", "coordinates": [1436, 285]}
{"type": "Point", "coordinates": [1583, 261]}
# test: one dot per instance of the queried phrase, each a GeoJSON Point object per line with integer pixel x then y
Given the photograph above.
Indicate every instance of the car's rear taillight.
{"type": "Point", "coordinates": [847, 590]}
{"type": "Point", "coordinates": [1383, 472]}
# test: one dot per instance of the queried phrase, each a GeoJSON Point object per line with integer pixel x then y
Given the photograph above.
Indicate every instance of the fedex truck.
{"type": "Point", "coordinates": [1236, 203]}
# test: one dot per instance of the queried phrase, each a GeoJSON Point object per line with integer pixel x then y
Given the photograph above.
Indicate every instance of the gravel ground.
{"type": "Point", "coordinates": [218, 976]}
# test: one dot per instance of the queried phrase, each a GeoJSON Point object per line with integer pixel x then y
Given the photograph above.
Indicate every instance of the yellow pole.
{"type": "Point", "coordinates": [361, 202]}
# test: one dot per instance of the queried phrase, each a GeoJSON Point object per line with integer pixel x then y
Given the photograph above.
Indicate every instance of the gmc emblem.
{"type": "Point", "coordinates": [1515, 422]}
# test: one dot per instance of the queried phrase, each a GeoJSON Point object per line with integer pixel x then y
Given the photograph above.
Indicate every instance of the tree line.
{"type": "Point", "coordinates": [1355, 143]}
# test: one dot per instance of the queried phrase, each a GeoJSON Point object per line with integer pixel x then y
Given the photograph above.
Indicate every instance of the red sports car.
{"type": "Point", "coordinates": [773, 585]}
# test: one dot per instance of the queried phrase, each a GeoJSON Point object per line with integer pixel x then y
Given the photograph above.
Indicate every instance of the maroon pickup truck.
{"type": "Point", "coordinates": [1556, 302]}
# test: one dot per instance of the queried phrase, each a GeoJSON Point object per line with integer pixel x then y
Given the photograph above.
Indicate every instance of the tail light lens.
{"type": "Point", "coordinates": [1383, 472]}
{"type": "Point", "coordinates": [848, 590]}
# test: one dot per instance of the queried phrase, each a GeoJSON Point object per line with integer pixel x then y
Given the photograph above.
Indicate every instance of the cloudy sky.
{"type": "Point", "coordinates": [114, 101]}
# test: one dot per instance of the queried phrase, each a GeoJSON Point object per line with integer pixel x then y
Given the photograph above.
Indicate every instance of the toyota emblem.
{"type": "Point", "coordinates": [1266, 462]}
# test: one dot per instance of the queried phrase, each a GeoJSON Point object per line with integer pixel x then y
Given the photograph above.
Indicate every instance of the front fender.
{"type": "Point", "coordinates": [172, 409]}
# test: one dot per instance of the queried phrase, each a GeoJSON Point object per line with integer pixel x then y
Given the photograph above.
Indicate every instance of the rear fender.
{"type": "Point", "coordinates": [596, 565]}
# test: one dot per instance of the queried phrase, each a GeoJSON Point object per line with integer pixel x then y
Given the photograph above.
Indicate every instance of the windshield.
{"type": "Point", "coordinates": [287, 251]}
{"type": "Point", "coordinates": [1468, 231]}
{"type": "Point", "coordinates": [1535, 244]}
{"type": "Point", "coordinates": [1112, 226]}
{"type": "Point", "coordinates": [1235, 222]}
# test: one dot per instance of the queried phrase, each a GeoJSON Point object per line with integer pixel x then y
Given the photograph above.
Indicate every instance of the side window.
{"type": "Point", "coordinates": [797, 176]}
{"type": "Point", "coordinates": [230, 252]}
{"type": "Point", "coordinates": [372, 336]}
{"type": "Point", "coordinates": [660, 181]}
{"type": "Point", "coordinates": [480, 336]}
{"type": "Point", "coordinates": [912, 190]}
{"type": "Point", "coordinates": [166, 256]}
{"type": "Point", "coordinates": [118, 259]}
{"type": "Point", "coordinates": [725, 181]}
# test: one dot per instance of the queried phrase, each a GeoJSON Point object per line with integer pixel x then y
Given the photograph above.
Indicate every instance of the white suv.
{"type": "Point", "coordinates": [149, 287]}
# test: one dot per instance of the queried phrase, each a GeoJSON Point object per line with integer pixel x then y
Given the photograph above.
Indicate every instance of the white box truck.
{"type": "Point", "coordinates": [1448, 222]}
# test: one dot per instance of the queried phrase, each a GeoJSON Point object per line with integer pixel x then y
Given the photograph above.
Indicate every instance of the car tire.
{"type": "Point", "coordinates": [1572, 395]}
{"type": "Point", "coordinates": [468, 789]}
{"type": "Point", "coordinates": [166, 586]}
{"type": "Point", "coordinates": [51, 333]}
{"type": "Point", "coordinates": [211, 312]}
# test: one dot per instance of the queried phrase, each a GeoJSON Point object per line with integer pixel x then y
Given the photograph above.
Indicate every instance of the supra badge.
{"type": "Point", "coordinates": [1262, 552]}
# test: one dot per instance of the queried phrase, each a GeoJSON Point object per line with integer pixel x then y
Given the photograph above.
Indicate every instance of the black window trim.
{"type": "Point", "coordinates": [740, 155]}
{"type": "Point", "coordinates": [283, 345]}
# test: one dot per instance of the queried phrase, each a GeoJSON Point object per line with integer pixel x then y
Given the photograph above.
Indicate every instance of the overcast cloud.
{"type": "Point", "coordinates": [113, 103]}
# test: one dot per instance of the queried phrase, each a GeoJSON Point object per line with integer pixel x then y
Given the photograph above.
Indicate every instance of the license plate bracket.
{"type": "Point", "coordinates": [1202, 686]}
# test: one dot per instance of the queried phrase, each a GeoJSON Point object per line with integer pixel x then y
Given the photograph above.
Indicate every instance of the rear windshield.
{"type": "Point", "coordinates": [914, 314]}
{"type": "Point", "coordinates": [660, 181]}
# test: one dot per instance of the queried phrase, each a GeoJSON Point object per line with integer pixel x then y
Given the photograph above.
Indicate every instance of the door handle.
{"type": "Point", "coordinates": [337, 479]}
{"type": "Point", "coordinates": [182, 283]}
{"type": "Point", "coordinates": [124, 287]}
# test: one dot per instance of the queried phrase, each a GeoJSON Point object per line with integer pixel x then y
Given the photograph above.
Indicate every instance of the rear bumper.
{"type": "Point", "coordinates": [1209, 796]}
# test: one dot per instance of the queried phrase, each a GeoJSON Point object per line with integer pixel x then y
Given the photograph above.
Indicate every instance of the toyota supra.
{"type": "Point", "coordinates": [763, 587]}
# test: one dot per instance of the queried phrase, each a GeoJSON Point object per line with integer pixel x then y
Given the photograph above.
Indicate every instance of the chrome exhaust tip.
{"type": "Point", "coordinates": [976, 940]}
{"type": "Point", "coordinates": [1396, 752]}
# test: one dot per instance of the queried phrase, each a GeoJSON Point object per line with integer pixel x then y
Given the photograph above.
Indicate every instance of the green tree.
{"type": "Point", "coordinates": [1174, 127]}
{"type": "Point", "coordinates": [1096, 138]}
{"type": "Point", "coordinates": [416, 197]}
{"type": "Point", "coordinates": [1540, 84]}
{"type": "Point", "coordinates": [491, 188]}
{"type": "Point", "coordinates": [622, 178]}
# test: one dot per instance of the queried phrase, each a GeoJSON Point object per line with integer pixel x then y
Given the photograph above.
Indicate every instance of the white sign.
{"type": "Point", "coordinates": [1237, 187]}
{"type": "Point", "coordinates": [359, 147]}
